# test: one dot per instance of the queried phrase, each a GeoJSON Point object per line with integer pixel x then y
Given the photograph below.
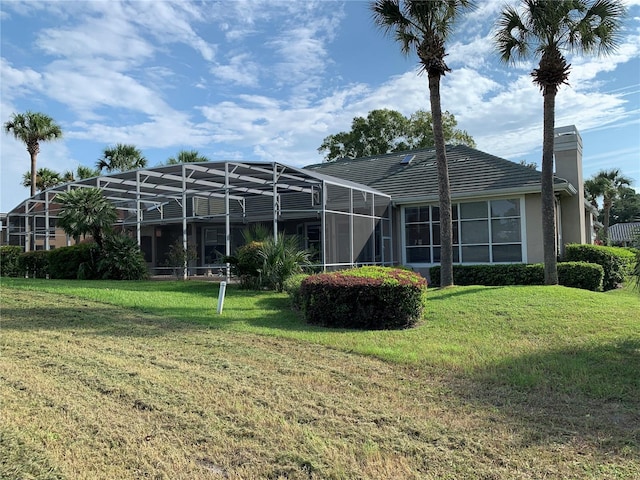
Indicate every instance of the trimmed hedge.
{"type": "Point", "coordinates": [375, 298]}
{"type": "Point", "coordinates": [617, 262]}
{"type": "Point", "coordinates": [293, 286]}
{"type": "Point", "coordinates": [35, 264]}
{"type": "Point", "coordinates": [10, 260]}
{"type": "Point", "coordinates": [587, 276]}
{"type": "Point", "coordinates": [65, 262]}
{"type": "Point", "coordinates": [583, 275]}
{"type": "Point", "coordinates": [493, 275]}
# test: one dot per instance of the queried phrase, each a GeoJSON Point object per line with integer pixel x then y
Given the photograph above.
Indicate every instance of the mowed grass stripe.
{"type": "Point", "coordinates": [99, 391]}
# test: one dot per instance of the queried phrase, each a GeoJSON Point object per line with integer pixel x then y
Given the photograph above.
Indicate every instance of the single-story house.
{"type": "Point", "coordinates": [374, 210]}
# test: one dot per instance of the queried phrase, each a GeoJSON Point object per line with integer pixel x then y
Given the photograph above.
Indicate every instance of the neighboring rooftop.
{"type": "Point", "coordinates": [623, 232]}
{"type": "Point", "coordinates": [471, 172]}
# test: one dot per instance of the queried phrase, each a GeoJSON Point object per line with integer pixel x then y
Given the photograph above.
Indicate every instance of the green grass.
{"type": "Point", "coordinates": [523, 336]}
{"type": "Point", "coordinates": [144, 379]}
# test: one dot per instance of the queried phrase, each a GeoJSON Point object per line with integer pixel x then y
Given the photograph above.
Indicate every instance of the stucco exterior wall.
{"type": "Point", "coordinates": [533, 216]}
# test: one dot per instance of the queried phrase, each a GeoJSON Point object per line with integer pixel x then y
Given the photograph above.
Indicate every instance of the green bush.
{"type": "Point", "coordinates": [292, 286]}
{"type": "Point", "coordinates": [10, 261]}
{"type": "Point", "coordinates": [246, 264]}
{"type": "Point", "coordinates": [179, 257]}
{"type": "Point", "coordinates": [493, 275]}
{"type": "Point", "coordinates": [617, 262]}
{"type": "Point", "coordinates": [281, 258]}
{"type": "Point", "coordinates": [67, 262]}
{"type": "Point", "coordinates": [121, 259]}
{"type": "Point", "coordinates": [365, 298]}
{"type": "Point", "coordinates": [587, 276]}
{"type": "Point", "coordinates": [571, 274]}
{"type": "Point", "coordinates": [35, 264]}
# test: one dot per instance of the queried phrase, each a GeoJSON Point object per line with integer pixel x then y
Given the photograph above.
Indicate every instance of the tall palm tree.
{"type": "Point", "coordinates": [607, 184]}
{"type": "Point", "coordinates": [187, 156]}
{"type": "Point", "coordinates": [86, 210]}
{"type": "Point", "coordinates": [544, 29]}
{"type": "Point", "coordinates": [424, 27]}
{"type": "Point", "coordinates": [45, 178]}
{"type": "Point", "coordinates": [31, 128]}
{"type": "Point", "coordinates": [121, 158]}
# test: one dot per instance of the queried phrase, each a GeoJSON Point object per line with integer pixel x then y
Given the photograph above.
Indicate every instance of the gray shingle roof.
{"type": "Point", "coordinates": [623, 232]}
{"type": "Point", "coordinates": [471, 172]}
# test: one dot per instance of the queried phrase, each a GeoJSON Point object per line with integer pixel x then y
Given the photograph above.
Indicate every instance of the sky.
{"type": "Point", "coordinates": [267, 80]}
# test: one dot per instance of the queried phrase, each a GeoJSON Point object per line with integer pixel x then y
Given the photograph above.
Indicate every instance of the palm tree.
{"type": "Point", "coordinates": [86, 210]}
{"type": "Point", "coordinates": [187, 156]}
{"type": "Point", "coordinates": [424, 27]}
{"type": "Point", "coordinates": [607, 184]}
{"type": "Point", "coordinates": [121, 158]}
{"type": "Point", "coordinates": [33, 128]}
{"type": "Point", "coordinates": [45, 178]}
{"type": "Point", "coordinates": [543, 30]}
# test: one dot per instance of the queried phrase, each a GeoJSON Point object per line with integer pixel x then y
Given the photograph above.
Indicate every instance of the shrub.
{"type": "Point", "coordinates": [67, 262]}
{"type": "Point", "coordinates": [492, 275]}
{"type": "Point", "coordinates": [10, 261]}
{"type": "Point", "coordinates": [121, 259]}
{"type": "Point", "coordinates": [570, 274]}
{"type": "Point", "coordinates": [35, 264]}
{"type": "Point", "coordinates": [178, 256]}
{"type": "Point", "coordinates": [292, 286]}
{"type": "Point", "coordinates": [365, 298]}
{"type": "Point", "coordinates": [246, 264]}
{"type": "Point", "coordinates": [281, 258]}
{"type": "Point", "coordinates": [587, 276]}
{"type": "Point", "coordinates": [617, 262]}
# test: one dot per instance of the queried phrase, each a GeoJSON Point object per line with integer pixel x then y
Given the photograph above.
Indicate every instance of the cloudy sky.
{"type": "Point", "coordinates": [268, 80]}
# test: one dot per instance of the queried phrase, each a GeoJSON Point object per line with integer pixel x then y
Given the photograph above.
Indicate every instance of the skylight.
{"type": "Point", "coordinates": [407, 159]}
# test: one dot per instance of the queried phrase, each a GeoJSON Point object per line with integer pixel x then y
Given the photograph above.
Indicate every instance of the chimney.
{"type": "Point", "coordinates": [568, 160]}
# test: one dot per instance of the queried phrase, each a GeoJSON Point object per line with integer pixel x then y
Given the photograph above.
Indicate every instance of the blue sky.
{"type": "Point", "coordinates": [268, 80]}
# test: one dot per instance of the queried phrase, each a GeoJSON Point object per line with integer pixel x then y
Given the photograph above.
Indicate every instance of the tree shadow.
{"type": "Point", "coordinates": [579, 394]}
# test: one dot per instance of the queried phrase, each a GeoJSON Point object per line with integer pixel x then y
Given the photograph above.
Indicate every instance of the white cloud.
{"type": "Point", "coordinates": [240, 71]}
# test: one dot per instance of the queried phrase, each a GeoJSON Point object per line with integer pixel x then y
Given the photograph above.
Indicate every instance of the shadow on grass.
{"type": "Point", "coordinates": [449, 292]}
{"type": "Point", "coordinates": [576, 394]}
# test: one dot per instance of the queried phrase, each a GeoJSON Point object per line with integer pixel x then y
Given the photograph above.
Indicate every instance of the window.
{"type": "Point", "coordinates": [483, 232]}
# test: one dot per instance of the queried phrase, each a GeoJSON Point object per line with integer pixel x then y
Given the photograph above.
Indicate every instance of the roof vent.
{"type": "Point", "coordinates": [407, 159]}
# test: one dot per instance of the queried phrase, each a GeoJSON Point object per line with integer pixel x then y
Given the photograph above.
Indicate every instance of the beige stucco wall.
{"type": "Point", "coordinates": [533, 216]}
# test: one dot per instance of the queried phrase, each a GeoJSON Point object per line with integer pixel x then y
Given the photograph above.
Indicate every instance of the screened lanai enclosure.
{"type": "Point", "coordinates": [209, 205]}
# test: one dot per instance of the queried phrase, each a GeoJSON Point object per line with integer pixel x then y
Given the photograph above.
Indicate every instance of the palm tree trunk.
{"type": "Point", "coordinates": [444, 192]}
{"type": "Point", "coordinates": [549, 238]}
{"type": "Point", "coordinates": [34, 156]}
{"type": "Point", "coordinates": [606, 206]}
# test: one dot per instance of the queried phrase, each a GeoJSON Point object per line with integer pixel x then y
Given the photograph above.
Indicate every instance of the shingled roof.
{"type": "Point", "coordinates": [471, 173]}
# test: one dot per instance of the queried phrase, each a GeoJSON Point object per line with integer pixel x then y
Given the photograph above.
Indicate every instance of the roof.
{"type": "Point", "coordinates": [623, 232]}
{"type": "Point", "coordinates": [155, 185]}
{"type": "Point", "coordinates": [471, 173]}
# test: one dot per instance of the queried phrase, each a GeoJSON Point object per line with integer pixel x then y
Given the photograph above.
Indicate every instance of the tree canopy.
{"type": "Point", "coordinates": [45, 178]}
{"type": "Point", "coordinates": [385, 131]}
{"type": "Point", "coordinates": [31, 128]}
{"type": "Point", "coordinates": [86, 210]}
{"type": "Point", "coordinates": [121, 158]}
{"type": "Point", "coordinates": [187, 156]}
{"type": "Point", "coordinates": [607, 185]}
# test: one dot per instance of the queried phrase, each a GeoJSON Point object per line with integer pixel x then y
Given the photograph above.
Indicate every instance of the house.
{"type": "Point", "coordinates": [375, 210]}
{"type": "Point", "coordinates": [496, 203]}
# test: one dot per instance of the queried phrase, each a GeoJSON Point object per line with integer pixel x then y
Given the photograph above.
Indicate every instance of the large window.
{"type": "Point", "coordinates": [483, 232]}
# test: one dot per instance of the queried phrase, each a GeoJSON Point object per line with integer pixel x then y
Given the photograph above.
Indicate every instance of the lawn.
{"type": "Point", "coordinates": [145, 380]}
